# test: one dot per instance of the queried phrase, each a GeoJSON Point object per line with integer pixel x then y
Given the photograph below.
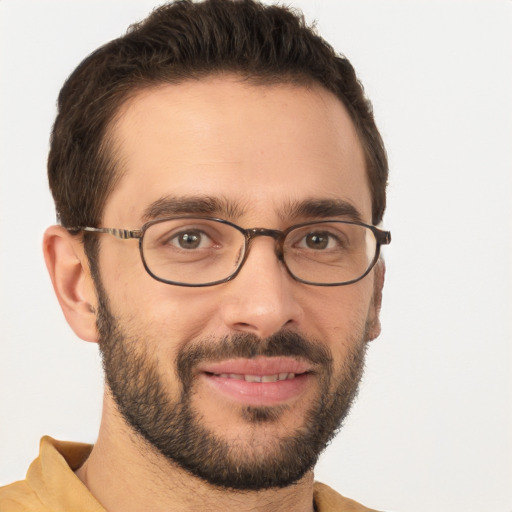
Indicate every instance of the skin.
{"type": "Point", "coordinates": [226, 139]}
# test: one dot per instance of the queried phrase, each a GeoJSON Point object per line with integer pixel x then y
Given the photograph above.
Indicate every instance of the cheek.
{"type": "Point", "coordinates": [121, 268]}
{"type": "Point", "coordinates": [166, 317]}
{"type": "Point", "coordinates": [339, 315]}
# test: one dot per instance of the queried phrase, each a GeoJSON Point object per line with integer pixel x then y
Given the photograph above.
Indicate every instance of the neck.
{"type": "Point", "coordinates": [125, 473]}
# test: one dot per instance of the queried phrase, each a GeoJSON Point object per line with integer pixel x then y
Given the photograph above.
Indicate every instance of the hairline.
{"type": "Point", "coordinates": [110, 146]}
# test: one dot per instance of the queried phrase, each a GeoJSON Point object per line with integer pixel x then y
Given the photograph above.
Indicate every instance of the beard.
{"type": "Point", "coordinates": [179, 432]}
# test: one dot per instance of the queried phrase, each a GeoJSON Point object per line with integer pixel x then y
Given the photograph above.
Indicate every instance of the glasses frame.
{"type": "Point", "coordinates": [382, 238]}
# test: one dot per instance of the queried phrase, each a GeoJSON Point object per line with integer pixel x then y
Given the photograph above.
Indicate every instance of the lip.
{"type": "Point", "coordinates": [257, 366]}
{"type": "Point", "coordinates": [215, 376]}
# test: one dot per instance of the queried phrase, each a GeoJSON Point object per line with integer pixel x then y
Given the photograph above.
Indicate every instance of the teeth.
{"type": "Point", "coordinates": [253, 378]}
{"type": "Point", "coordinates": [235, 376]}
{"type": "Point", "coordinates": [258, 378]}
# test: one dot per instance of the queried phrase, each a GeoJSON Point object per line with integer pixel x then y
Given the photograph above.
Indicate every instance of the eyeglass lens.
{"type": "Point", "coordinates": [201, 251]}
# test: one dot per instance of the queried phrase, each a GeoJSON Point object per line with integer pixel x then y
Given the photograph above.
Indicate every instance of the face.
{"type": "Point", "coordinates": [242, 383]}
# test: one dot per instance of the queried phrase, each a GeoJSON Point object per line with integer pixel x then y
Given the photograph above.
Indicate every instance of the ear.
{"type": "Point", "coordinates": [69, 271]}
{"type": "Point", "coordinates": [373, 325]}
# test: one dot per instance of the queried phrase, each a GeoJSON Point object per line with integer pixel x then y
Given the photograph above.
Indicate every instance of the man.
{"type": "Point", "coordinates": [218, 177]}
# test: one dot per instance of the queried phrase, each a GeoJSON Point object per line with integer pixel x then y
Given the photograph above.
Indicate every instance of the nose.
{"type": "Point", "coordinates": [262, 298]}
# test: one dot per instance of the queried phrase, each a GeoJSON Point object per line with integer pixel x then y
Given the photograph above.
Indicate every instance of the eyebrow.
{"type": "Point", "coordinates": [322, 209]}
{"type": "Point", "coordinates": [314, 208]}
{"type": "Point", "coordinates": [168, 206]}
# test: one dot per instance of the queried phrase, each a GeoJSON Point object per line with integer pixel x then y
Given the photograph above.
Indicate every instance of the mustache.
{"type": "Point", "coordinates": [250, 346]}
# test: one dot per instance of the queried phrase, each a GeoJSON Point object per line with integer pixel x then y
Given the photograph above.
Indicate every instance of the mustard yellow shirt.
{"type": "Point", "coordinates": [52, 486]}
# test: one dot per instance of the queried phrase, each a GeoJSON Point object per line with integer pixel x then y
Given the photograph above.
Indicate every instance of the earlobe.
{"type": "Point", "coordinates": [69, 271]}
{"type": "Point", "coordinates": [373, 325]}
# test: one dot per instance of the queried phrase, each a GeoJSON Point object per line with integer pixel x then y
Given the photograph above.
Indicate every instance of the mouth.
{"type": "Point", "coordinates": [258, 382]}
{"type": "Point", "coordinates": [257, 378]}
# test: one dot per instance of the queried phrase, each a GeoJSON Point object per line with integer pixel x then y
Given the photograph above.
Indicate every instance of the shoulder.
{"type": "Point", "coordinates": [20, 497]}
{"type": "Point", "coordinates": [328, 500]}
{"type": "Point", "coordinates": [50, 483]}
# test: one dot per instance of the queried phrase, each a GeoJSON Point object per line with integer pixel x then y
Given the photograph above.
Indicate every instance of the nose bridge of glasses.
{"type": "Point", "coordinates": [277, 235]}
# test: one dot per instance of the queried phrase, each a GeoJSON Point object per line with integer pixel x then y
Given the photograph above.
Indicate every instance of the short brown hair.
{"type": "Point", "coordinates": [181, 41]}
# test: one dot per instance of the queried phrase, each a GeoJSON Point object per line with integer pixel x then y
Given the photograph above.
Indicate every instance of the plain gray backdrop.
{"type": "Point", "coordinates": [432, 428]}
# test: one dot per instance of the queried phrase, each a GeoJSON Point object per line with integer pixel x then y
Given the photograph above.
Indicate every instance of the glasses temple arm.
{"type": "Point", "coordinates": [123, 234]}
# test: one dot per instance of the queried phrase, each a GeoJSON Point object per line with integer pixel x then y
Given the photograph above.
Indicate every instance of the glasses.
{"type": "Point", "coordinates": [204, 251]}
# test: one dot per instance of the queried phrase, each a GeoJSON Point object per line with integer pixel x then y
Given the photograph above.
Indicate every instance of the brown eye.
{"type": "Point", "coordinates": [190, 240]}
{"type": "Point", "coordinates": [319, 240]}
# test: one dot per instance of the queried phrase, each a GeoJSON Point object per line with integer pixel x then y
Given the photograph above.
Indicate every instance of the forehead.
{"type": "Point", "coordinates": [257, 149]}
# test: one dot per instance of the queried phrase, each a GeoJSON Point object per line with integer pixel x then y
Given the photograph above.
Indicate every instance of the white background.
{"type": "Point", "coordinates": [432, 429]}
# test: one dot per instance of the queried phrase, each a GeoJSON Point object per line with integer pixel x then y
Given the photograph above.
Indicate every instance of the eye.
{"type": "Point", "coordinates": [319, 240]}
{"type": "Point", "coordinates": [191, 239]}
